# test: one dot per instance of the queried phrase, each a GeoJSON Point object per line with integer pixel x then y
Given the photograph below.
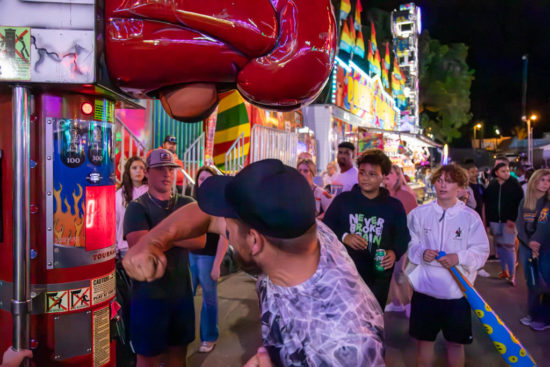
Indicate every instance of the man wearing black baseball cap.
{"type": "Point", "coordinates": [316, 310]}
{"type": "Point", "coordinates": [170, 143]}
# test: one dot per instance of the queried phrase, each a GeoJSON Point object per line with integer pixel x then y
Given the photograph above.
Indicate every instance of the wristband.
{"type": "Point", "coordinates": [344, 235]}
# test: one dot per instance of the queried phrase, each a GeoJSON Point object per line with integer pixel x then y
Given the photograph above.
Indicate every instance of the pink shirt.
{"type": "Point", "coordinates": [406, 198]}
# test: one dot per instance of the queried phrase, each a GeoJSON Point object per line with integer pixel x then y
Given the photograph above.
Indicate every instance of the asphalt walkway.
{"type": "Point", "coordinates": [240, 329]}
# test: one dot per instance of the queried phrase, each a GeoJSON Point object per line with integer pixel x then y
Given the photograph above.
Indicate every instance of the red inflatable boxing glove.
{"type": "Point", "coordinates": [185, 52]}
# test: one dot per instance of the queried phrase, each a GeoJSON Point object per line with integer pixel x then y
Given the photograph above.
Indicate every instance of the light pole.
{"type": "Point", "coordinates": [533, 118]}
{"type": "Point", "coordinates": [476, 127]}
{"type": "Point", "coordinates": [497, 131]}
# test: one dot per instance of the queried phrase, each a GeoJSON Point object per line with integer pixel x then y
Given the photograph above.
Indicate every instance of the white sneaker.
{"type": "Point", "coordinates": [526, 320]}
{"type": "Point", "coordinates": [392, 307]}
{"type": "Point", "coordinates": [206, 347]}
{"type": "Point", "coordinates": [483, 273]}
{"type": "Point", "coordinates": [539, 325]}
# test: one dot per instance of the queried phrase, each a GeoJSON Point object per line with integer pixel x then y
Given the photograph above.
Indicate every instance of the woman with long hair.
{"type": "Point", "coordinates": [322, 198]}
{"type": "Point", "coordinates": [395, 183]}
{"type": "Point", "coordinates": [400, 290]}
{"type": "Point", "coordinates": [205, 270]}
{"type": "Point", "coordinates": [134, 184]}
{"type": "Point", "coordinates": [533, 228]}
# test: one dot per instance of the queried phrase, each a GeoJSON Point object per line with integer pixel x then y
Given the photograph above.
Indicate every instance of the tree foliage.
{"type": "Point", "coordinates": [520, 132]}
{"type": "Point", "coordinates": [445, 81]}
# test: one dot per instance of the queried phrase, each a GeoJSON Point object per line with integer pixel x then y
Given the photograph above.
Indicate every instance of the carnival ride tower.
{"type": "Point", "coordinates": [406, 28]}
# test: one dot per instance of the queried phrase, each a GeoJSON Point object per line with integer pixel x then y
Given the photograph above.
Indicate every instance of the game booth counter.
{"type": "Point", "coordinates": [365, 113]}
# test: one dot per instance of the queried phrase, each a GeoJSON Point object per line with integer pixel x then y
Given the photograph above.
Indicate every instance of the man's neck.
{"type": "Point", "coordinates": [160, 195]}
{"type": "Point", "coordinates": [289, 270]}
{"type": "Point", "coordinates": [345, 169]}
{"type": "Point", "coordinates": [446, 203]}
{"type": "Point", "coordinates": [371, 194]}
{"type": "Point", "coordinates": [473, 181]}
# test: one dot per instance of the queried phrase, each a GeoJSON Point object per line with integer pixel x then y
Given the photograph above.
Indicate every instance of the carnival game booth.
{"type": "Point", "coordinates": [412, 152]}
{"type": "Point", "coordinates": [57, 227]}
{"type": "Point", "coordinates": [359, 103]}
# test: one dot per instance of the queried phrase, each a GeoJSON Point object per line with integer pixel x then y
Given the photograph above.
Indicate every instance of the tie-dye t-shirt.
{"type": "Point", "coordinates": [332, 319]}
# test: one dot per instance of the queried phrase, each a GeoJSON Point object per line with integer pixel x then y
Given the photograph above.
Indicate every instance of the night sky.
{"type": "Point", "coordinates": [498, 33]}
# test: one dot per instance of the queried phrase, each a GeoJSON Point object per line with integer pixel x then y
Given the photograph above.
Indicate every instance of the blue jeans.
{"type": "Point", "coordinates": [538, 304]}
{"type": "Point", "coordinates": [507, 257]}
{"type": "Point", "coordinates": [201, 266]}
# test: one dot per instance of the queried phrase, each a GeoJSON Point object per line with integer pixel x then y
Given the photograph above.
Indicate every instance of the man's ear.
{"type": "Point", "coordinates": [256, 242]}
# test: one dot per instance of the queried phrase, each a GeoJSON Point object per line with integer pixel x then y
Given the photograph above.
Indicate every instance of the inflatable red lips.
{"type": "Point", "coordinates": [278, 53]}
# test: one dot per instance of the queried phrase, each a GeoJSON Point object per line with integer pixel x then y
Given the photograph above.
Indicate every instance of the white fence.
{"type": "Point", "coordinates": [234, 158]}
{"type": "Point", "coordinates": [135, 146]}
{"type": "Point", "coordinates": [266, 142]}
{"type": "Point", "coordinates": [193, 157]}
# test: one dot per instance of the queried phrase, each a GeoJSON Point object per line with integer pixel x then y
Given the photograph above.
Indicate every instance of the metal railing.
{"type": "Point", "coordinates": [136, 147]}
{"type": "Point", "coordinates": [235, 158]}
{"type": "Point", "coordinates": [267, 142]}
{"type": "Point", "coordinates": [193, 157]}
{"type": "Point", "coordinates": [188, 182]}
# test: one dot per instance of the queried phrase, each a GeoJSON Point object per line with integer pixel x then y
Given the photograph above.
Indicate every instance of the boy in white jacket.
{"type": "Point", "coordinates": [448, 225]}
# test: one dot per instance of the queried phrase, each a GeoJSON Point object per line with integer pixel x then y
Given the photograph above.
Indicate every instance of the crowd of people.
{"type": "Point", "coordinates": [331, 256]}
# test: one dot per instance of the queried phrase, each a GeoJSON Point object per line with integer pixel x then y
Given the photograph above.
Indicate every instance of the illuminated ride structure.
{"type": "Point", "coordinates": [406, 27]}
{"type": "Point", "coordinates": [64, 68]}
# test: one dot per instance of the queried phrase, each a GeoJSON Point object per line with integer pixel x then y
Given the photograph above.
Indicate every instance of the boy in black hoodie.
{"type": "Point", "coordinates": [367, 218]}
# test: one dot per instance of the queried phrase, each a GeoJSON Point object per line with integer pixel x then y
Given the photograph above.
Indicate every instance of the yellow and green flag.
{"type": "Point", "coordinates": [345, 9]}
{"type": "Point", "coordinates": [232, 121]}
{"type": "Point", "coordinates": [358, 11]}
{"type": "Point", "coordinates": [360, 45]}
{"type": "Point", "coordinates": [386, 67]}
{"type": "Point", "coordinates": [373, 38]}
{"type": "Point", "coordinates": [346, 42]}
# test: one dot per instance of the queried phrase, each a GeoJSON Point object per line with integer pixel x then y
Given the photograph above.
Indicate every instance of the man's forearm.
{"type": "Point", "coordinates": [185, 223]}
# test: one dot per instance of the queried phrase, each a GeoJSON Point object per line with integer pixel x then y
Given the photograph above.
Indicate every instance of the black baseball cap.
{"type": "Point", "coordinates": [170, 139]}
{"type": "Point", "coordinates": [267, 195]}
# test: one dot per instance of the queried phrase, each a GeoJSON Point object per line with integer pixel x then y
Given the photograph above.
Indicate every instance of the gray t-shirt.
{"type": "Point", "coordinates": [332, 319]}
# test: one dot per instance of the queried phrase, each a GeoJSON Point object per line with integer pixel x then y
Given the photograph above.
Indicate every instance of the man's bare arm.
{"type": "Point", "coordinates": [133, 237]}
{"type": "Point", "coordinates": [192, 243]}
{"type": "Point", "coordinates": [146, 260]}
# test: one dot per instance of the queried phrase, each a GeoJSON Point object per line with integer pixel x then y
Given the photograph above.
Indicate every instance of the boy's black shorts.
{"type": "Point", "coordinates": [429, 315]}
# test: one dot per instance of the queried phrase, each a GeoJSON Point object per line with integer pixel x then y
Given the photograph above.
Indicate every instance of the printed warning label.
{"type": "Point", "coordinates": [57, 301]}
{"type": "Point", "coordinates": [101, 337]}
{"type": "Point", "coordinates": [15, 58]}
{"type": "Point", "coordinates": [103, 288]}
{"type": "Point", "coordinates": [80, 298]}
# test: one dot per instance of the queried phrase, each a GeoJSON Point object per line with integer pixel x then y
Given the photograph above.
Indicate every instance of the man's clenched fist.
{"type": "Point", "coordinates": [144, 262]}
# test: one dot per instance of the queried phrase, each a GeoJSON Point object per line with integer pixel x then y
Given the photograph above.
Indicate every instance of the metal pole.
{"type": "Point", "coordinates": [21, 304]}
{"type": "Point", "coordinates": [529, 142]}
{"type": "Point", "coordinates": [525, 62]}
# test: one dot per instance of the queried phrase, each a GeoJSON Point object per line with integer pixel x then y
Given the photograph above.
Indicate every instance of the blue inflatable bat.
{"type": "Point", "coordinates": [505, 342]}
